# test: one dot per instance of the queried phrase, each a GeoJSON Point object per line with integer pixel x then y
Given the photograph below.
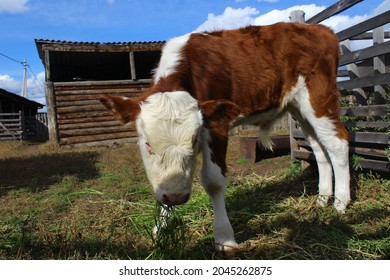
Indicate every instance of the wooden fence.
{"type": "Point", "coordinates": [15, 126]}
{"type": "Point", "coordinates": [11, 126]}
{"type": "Point", "coordinates": [366, 88]}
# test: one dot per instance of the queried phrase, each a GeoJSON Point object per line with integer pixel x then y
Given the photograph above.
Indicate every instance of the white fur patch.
{"type": "Point", "coordinates": [168, 124]}
{"type": "Point", "coordinates": [337, 149]}
{"type": "Point", "coordinates": [215, 185]}
{"type": "Point", "coordinates": [170, 57]}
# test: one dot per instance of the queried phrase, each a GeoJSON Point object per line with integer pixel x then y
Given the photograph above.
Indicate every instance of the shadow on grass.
{"type": "Point", "coordinates": [281, 221]}
{"type": "Point", "coordinates": [42, 171]}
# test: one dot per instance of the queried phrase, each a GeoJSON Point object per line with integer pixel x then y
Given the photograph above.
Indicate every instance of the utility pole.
{"type": "Point", "coordinates": [24, 86]}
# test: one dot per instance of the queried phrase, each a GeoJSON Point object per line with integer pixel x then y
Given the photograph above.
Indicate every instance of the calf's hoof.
{"type": "Point", "coordinates": [226, 248]}
{"type": "Point", "coordinates": [322, 200]}
{"type": "Point", "coordinates": [340, 205]}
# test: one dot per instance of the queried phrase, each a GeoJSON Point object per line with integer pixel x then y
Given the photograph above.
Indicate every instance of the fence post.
{"type": "Point", "coordinates": [295, 16]}
{"type": "Point", "coordinates": [354, 72]}
{"type": "Point", "coordinates": [379, 66]}
{"type": "Point", "coordinates": [22, 119]}
{"type": "Point", "coordinates": [51, 113]}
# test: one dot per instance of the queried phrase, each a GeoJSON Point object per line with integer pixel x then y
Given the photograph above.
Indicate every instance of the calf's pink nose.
{"type": "Point", "coordinates": [175, 199]}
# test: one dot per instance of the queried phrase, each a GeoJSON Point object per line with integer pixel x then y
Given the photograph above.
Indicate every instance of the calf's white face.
{"type": "Point", "coordinates": [168, 127]}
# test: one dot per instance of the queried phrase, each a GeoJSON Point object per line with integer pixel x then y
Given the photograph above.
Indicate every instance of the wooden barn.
{"type": "Point", "coordinates": [19, 118]}
{"type": "Point", "coordinates": [78, 72]}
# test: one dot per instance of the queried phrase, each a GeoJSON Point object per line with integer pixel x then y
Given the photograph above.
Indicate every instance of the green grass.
{"type": "Point", "coordinates": [96, 203]}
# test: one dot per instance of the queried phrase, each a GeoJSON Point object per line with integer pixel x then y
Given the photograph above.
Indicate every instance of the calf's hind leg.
{"type": "Point", "coordinates": [325, 173]}
{"type": "Point", "coordinates": [329, 141]}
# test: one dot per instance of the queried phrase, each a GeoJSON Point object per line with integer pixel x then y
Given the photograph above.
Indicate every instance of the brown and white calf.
{"type": "Point", "coordinates": [208, 82]}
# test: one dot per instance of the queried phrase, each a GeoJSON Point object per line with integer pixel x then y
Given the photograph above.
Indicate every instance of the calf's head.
{"type": "Point", "coordinates": [169, 127]}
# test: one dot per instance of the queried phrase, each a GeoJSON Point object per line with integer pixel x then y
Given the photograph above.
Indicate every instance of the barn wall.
{"type": "Point", "coordinates": [82, 120]}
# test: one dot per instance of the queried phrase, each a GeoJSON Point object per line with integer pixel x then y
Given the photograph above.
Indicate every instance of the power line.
{"type": "Point", "coordinates": [35, 76]}
{"type": "Point", "coordinates": [26, 66]}
{"type": "Point", "coordinates": [10, 58]}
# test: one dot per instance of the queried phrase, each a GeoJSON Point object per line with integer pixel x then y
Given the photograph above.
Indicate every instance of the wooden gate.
{"type": "Point", "coordinates": [364, 85]}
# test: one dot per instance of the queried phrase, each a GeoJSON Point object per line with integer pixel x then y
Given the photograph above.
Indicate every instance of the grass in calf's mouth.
{"type": "Point", "coordinates": [171, 236]}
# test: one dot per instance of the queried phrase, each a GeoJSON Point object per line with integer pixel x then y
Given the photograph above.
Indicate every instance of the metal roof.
{"type": "Point", "coordinates": [62, 45]}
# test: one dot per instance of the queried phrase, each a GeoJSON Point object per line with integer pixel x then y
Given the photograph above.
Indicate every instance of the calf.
{"type": "Point", "coordinates": [206, 83]}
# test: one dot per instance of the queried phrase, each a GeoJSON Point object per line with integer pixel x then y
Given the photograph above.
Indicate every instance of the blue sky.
{"type": "Point", "coordinates": [22, 21]}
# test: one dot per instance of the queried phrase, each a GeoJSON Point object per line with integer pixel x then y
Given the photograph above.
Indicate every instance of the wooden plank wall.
{"type": "Point", "coordinates": [83, 121]}
{"type": "Point", "coordinates": [11, 126]}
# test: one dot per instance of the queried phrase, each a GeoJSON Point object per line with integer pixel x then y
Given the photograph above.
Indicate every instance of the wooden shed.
{"type": "Point", "coordinates": [18, 117]}
{"type": "Point", "coordinates": [78, 72]}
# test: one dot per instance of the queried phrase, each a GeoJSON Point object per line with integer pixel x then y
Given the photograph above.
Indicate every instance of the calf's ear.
{"type": "Point", "coordinates": [125, 109]}
{"type": "Point", "coordinates": [218, 114]}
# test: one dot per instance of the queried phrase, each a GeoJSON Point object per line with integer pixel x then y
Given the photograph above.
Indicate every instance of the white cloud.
{"type": "Point", "coordinates": [341, 22]}
{"type": "Point", "coordinates": [236, 18]}
{"type": "Point", "coordinates": [111, 2]}
{"type": "Point", "coordinates": [384, 6]}
{"type": "Point", "coordinates": [284, 15]}
{"type": "Point", "coordinates": [10, 84]}
{"type": "Point", "coordinates": [230, 19]}
{"type": "Point", "coordinates": [13, 6]}
{"type": "Point", "coordinates": [35, 86]}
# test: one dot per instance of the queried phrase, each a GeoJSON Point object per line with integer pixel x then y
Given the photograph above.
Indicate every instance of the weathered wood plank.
{"type": "Point", "coordinates": [94, 131]}
{"type": "Point", "coordinates": [95, 138]}
{"type": "Point", "coordinates": [84, 115]}
{"type": "Point", "coordinates": [60, 47]}
{"type": "Point", "coordinates": [89, 124]}
{"type": "Point", "coordinates": [364, 26]}
{"type": "Point", "coordinates": [380, 79]}
{"type": "Point", "coordinates": [72, 103]}
{"type": "Point", "coordinates": [362, 124]}
{"type": "Point", "coordinates": [365, 53]}
{"type": "Point", "coordinates": [333, 10]}
{"type": "Point", "coordinates": [368, 36]}
{"type": "Point", "coordinates": [10, 114]}
{"type": "Point", "coordinates": [97, 91]}
{"type": "Point", "coordinates": [368, 152]}
{"type": "Point", "coordinates": [369, 137]}
{"type": "Point", "coordinates": [109, 143]}
{"type": "Point", "coordinates": [103, 83]}
{"type": "Point", "coordinates": [77, 109]}
{"type": "Point", "coordinates": [357, 137]}
{"type": "Point", "coordinates": [252, 149]}
{"type": "Point", "coordinates": [372, 152]}
{"type": "Point", "coordinates": [107, 117]}
{"type": "Point", "coordinates": [377, 165]}
{"type": "Point", "coordinates": [11, 124]}
{"type": "Point", "coordinates": [89, 94]}
{"type": "Point", "coordinates": [365, 111]}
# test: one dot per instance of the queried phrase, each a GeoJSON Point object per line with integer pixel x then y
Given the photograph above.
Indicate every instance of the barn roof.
{"type": "Point", "coordinates": [19, 99]}
{"type": "Point", "coordinates": [74, 61]}
{"type": "Point", "coordinates": [60, 45]}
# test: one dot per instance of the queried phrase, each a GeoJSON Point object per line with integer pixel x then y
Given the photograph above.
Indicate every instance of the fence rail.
{"type": "Point", "coordinates": [368, 74]}
{"type": "Point", "coordinates": [15, 126]}
{"type": "Point", "coordinates": [11, 126]}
